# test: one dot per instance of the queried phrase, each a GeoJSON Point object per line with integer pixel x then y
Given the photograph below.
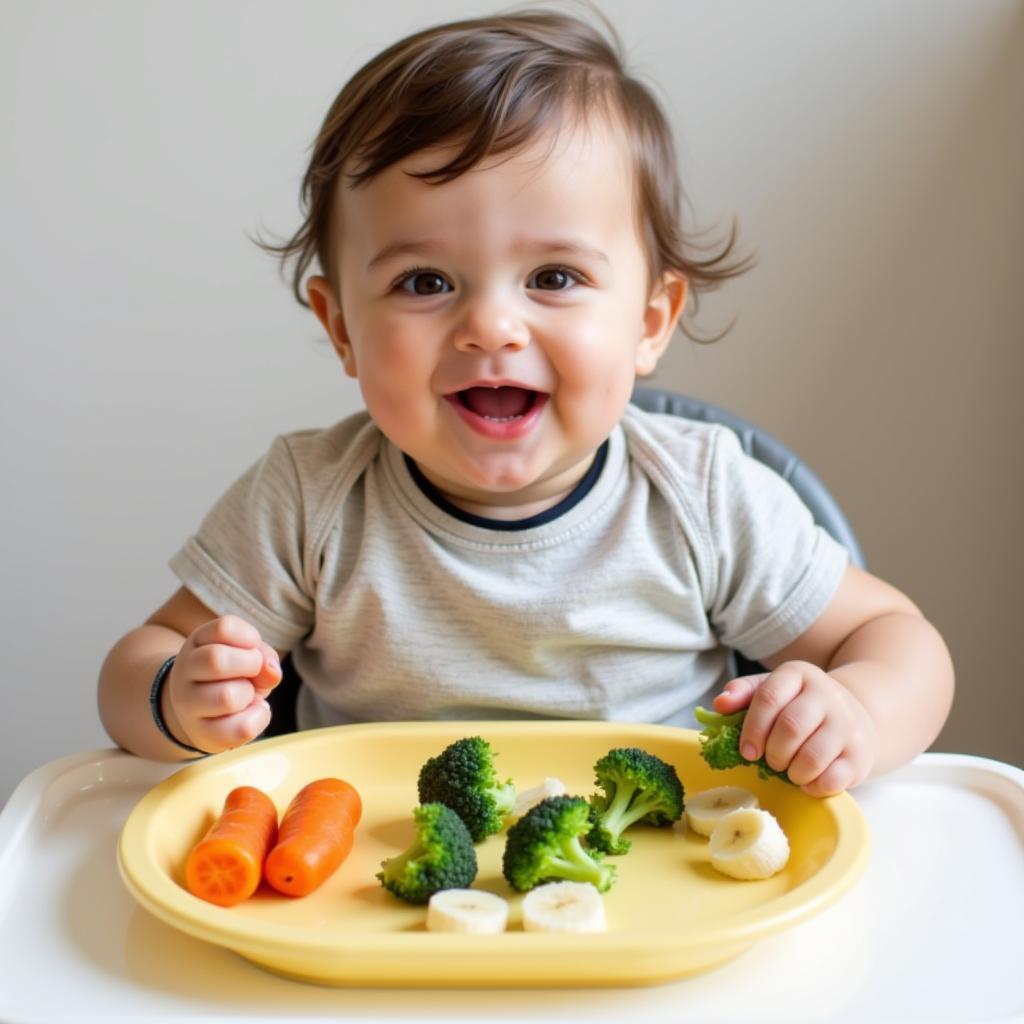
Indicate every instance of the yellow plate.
{"type": "Point", "coordinates": [670, 914]}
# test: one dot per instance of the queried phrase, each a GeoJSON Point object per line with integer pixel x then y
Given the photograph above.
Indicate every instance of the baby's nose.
{"type": "Point", "coordinates": [490, 324]}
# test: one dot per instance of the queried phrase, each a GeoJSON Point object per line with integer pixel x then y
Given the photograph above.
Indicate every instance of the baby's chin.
{"type": "Point", "coordinates": [506, 486]}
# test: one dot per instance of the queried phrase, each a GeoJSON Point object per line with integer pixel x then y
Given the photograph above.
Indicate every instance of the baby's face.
{"type": "Point", "coordinates": [496, 323]}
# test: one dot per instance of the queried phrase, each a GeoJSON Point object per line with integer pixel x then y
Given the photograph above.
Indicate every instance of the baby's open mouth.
{"type": "Point", "coordinates": [501, 403]}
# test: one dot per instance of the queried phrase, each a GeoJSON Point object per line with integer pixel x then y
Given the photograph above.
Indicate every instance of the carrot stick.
{"type": "Point", "coordinates": [315, 836]}
{"type": "Point", "coordinates": [226, 865]}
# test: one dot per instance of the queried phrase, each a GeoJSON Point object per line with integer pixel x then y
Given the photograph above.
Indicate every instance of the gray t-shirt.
{"type": "Point", "coordinates": [623, 607]}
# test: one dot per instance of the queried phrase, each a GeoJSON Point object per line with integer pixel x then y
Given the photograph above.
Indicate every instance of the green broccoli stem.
{"type": "Point", "coordinates": [717, 720]}
{"type": "Point", "coordinates": [576, 865]}
{"type": "Point", "coordinates": [504, 798]}
{"type": "Point", "coordinates": [394, 867]}
{"type": "Point", "coordinates": [624, 810]}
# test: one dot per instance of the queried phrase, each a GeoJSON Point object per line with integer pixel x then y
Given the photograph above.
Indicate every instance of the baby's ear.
{"type": "Point", "coordinates": [664, 308]}
{"type": "Point", "coordinates": [328, 312]}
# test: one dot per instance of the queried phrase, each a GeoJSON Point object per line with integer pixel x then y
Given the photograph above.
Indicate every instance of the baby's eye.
{"type": "Point", "coordinates": [553, 279]}
{"type": "Point", "coordinates": [424, 282]}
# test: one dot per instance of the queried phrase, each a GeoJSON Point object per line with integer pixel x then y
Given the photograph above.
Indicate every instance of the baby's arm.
{"type": "Point", "coordinates": [866, 688]}
{"type": "Point", "coordinates": [213, 698]}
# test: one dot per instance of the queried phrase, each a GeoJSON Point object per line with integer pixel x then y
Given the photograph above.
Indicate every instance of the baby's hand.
{"type": "Point", "coordinates": [805, 723]}
{"type": "Point", "coordinates": [214, 697]}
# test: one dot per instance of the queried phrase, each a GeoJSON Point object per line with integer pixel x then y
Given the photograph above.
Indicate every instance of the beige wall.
{"type": "Point", "coordinates": [873, 153]}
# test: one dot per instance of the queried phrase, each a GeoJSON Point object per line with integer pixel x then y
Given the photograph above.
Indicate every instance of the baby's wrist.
{"type": "Point", "coordinates": [164, 716]}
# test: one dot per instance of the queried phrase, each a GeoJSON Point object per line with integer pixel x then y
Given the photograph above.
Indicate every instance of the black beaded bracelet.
{"type": "Point", "coordinates": [154, 706]}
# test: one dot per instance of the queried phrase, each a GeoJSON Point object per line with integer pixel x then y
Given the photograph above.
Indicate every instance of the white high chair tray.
{"type": "Point", "coordinates": [930, 932]}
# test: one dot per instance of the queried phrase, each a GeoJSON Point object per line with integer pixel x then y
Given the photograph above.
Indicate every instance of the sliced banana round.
{"type": "Point", "coordinates": [467, 910]}
{"type": "Point", "coordinates": [748, 843]}
{"type": "Point", "coordinates": [564, 907]}
{"type": "Point", "coordinates": [531, 797]}
{"type": "Point", "coordinates": [705, 809]}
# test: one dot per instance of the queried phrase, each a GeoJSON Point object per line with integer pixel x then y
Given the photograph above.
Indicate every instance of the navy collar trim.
{"type": "Point", "coordinates": [571, 500]}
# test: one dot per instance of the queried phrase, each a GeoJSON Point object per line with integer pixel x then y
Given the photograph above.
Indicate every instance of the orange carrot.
{"type": "Point", "coordinates": [315, 836]}
{"type": "Point", "coordinates": [226, 865]}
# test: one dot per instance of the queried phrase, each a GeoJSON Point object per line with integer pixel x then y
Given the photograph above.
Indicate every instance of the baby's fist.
{"type": "Point", "coordinates": [215, 696]}
{"type": "Point", "coordinates": [804, 723]}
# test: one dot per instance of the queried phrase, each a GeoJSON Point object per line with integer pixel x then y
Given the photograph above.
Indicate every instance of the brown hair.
{"type": "Point", "coordinates": [492, 84]}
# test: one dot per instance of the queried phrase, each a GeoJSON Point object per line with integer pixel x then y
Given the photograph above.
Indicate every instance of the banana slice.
{"type": "Point", "coordinates": [564, 907]}
{"type": "Point", "coordinates": [531, 797]}
{"type": "Point", "coordinates": [704, 810]}
{"type": "Point", "coordinates": [466, 910]}
{"type": "Point", "coordinates": [748, 843]}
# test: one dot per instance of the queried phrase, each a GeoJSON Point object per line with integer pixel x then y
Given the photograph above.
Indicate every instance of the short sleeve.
{"type": "Point", "coordinates": [247, 556]}
{"type": "Point", "coordinates": [776, 570]}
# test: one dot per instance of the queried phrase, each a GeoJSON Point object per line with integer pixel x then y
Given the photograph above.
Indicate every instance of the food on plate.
{"type": "Point", "coordinates": [315, 835]}
{"type": "Point", "coordinates": [440, 857]}
{"type": "Point", "coordinates": [748, 844]}
{"type": "Point", "coordinates": [226, 865]}
{"type": "Point", "coordinates": [528, 798]}
{"type": "Point", "coordinates": [564, 907]}
{"type": "Point", "coordinates": [467, 910]}
{"type": "Point", "coordinates": [463, 777]}
{"type": "Point", "coordinates": [705, 809]}
{"type": "Point", "coordinates": [637, 787]}
{"type": "Point", "coordinates": [720, 743]}
{"type": "Point", "coordinates": [545, 845]}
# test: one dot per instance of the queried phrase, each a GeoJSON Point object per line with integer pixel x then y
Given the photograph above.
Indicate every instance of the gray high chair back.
{"type": "Point", "coordinates": [756, 442]}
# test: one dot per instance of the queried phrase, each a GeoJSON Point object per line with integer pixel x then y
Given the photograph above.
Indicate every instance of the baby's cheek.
{"type": "Point", "coordinates": [392, 354]}
{"type": "Point", "coordinates": [594, 390]}
{"type": "Point", "coordinates": [395, 368]}
{"type": "Point", "coordinates": [388, 410]}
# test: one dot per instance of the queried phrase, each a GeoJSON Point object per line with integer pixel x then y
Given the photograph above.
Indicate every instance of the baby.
{"type": "Point", "coordinates": [493, 209]}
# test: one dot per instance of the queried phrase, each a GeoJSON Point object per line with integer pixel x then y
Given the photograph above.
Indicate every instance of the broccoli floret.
{"type": "Point", "coordinates": [545, 846]}
{"type": "Point", "coordinates": [441, 857]}
{"type": "Point", "coordinates": [637, 787]}
{"type": "Point", "coordinates": [720, 743]}
{"type": "Point", "coordinates": [463, 777]}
